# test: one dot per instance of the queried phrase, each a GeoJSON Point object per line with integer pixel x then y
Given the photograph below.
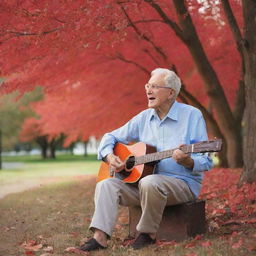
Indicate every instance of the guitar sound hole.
{"type": "Point", "coordinates": [130, 162]}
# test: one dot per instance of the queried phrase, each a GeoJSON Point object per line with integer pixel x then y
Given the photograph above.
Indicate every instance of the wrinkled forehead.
{"type": "Point", "coordinates": [157, 79]}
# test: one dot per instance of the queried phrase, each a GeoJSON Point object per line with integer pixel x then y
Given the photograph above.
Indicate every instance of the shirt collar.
{"type": "Point", "coordinates": [172, 114]}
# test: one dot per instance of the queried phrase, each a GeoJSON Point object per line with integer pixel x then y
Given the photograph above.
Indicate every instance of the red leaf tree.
{"type": "Point", "coordinates": [91, 58]}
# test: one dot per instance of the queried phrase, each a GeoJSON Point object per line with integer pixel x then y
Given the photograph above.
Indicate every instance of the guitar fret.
{"type": "Point", "coordinates": [153, 157]}
{"type": "Point", "coordinates": [193, 148]}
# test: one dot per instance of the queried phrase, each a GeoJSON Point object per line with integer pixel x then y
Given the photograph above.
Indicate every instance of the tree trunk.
{"type": "Point", "coordinates": [52, 149]}
{"type": "Point", "coordinates": [85, 148]}
{"type": "Point", "coordinates": [43, 143]}
{"type": "Point", "coordinates": [249, 118]}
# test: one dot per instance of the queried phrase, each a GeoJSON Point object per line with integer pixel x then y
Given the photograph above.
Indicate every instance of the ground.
{"type": "Point", "coordinates": [52, 218]}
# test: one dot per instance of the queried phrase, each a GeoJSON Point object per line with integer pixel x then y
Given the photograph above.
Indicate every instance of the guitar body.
{"type": "Point", "coordinates": [124, 152]}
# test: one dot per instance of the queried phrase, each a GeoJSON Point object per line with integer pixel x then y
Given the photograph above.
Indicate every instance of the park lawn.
{"type": "Point", "coordinates": [32, 171]}
{"type": "Point", "coordinates": [64, 157]}
{"type": "Point", "coordinates": [49, 219]}
{"type": "Point", "coordinates": [41, 170]}
{"type": "Point", "coordinates": [56, 216]}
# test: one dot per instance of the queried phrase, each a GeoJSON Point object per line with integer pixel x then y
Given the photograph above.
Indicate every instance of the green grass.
{"type": "Point", "coordinates": [59, 158]}
{"type": "Point", "coordinates": [36, 172]}
{"type": "Point", "coordinates": [46, 169]}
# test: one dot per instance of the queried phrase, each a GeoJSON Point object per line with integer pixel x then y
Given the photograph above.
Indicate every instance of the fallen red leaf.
{"type": "Point", "coordinates": [164, 243]}
{"type": "Point", "coordinates": [251, 248]}
{"type": "Point", "coordinates": [77, 251]}
{"type": "Point", "coordinates": [190, 245]}
{"type": "Point", "coordinates": [74, 234]}
{"type": "Point", "coordinates": [206, 244]}
{"type": "Point", "coordinates": [238, 244]}
{"type": "Point", "coordinates": [29, 253]}
{"type": "Point", "coordinates": [31, 246]}
{"type": "Point", "coordinates": [198, 237]}
{"type": "Point", "coordinates": [127, 241]}
{"type": "Point", "coordinates": [87, 219]}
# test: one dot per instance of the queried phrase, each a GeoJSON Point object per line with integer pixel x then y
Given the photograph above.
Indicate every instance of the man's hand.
{"type": "Point", "coordinates": [183, 159]}
{"type": "Point", "coordinates": [115, 163]}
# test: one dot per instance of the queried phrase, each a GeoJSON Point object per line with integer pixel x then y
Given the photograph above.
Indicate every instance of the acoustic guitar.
{"type": "Point", "coordinates": [140, 159]}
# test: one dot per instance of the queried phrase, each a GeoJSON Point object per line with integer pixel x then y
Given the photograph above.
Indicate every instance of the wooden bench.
{"type": "Point", "coordinates": [179, 221]}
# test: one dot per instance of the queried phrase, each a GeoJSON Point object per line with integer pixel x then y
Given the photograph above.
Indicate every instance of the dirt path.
{"type": "Point", "coordinates": [31, 183]}
{"type": "Point", "coordinates": [24, 185]}
{"type": "Point", "coordinates": [36, 183]}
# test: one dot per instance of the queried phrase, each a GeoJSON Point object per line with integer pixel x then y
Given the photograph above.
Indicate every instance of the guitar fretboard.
{"type": "Point", "coordinates": [153, 157]}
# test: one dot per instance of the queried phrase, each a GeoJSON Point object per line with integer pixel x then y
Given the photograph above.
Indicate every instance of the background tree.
{"type": "Point", "coordinates": [32, 131]}
{"type": "Point", "coordinates": [14, 109]}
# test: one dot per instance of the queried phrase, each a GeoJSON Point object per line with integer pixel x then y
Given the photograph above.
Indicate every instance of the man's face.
{"type": "Point", "coordinates": [158, 97]}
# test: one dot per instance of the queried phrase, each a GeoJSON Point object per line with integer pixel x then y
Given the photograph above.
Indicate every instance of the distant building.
{"type": "Point", "coordinates": [91, 147]}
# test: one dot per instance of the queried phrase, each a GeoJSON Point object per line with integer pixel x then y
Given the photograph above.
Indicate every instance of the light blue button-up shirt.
{"type": "Point", "coordinates": [183, 124]}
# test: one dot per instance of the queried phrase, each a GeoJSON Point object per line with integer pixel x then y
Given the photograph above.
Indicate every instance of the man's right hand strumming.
{"type": "Point", "coordinates": [115, 163]}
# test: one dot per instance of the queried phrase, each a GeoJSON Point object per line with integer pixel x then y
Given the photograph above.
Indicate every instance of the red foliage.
{"type": "Point", "coordinates": [88, 58]}
{"type": "Point", "coordinates": [225, 196]}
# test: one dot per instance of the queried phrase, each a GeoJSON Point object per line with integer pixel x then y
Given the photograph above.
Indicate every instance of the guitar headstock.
{"type": "Point", "coordinates": [207, 146]}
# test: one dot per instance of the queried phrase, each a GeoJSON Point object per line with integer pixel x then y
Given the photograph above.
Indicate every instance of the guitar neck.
{"type": "Point", "coordinates": [153, 157]}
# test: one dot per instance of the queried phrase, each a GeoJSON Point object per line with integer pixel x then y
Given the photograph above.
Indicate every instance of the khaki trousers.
{"type": "Point", "coordinates": [153, 194]}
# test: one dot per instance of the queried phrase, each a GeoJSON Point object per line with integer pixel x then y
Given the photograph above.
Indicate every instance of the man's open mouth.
{"type": "Point", "coordinates": [151, 98]}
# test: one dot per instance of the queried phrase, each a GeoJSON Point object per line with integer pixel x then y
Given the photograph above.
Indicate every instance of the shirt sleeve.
{"type": "Point", "coordinates": [125, 134]}
{"type": "Point", "coordinates": [202, 162]}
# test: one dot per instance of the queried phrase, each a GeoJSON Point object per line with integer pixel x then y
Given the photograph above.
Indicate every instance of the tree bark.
{"type": "Point", "coordinates": [249, 118]}
{"type": "Point", "coordinates": [43, 143]}
{"type": "Point", "coordinates": [85, 148]}
{"type": "Point", "coordinates": [52, 146]}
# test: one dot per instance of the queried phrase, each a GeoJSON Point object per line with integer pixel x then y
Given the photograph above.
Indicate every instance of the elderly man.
{"type": "Point", "coordinates": [165, 124]}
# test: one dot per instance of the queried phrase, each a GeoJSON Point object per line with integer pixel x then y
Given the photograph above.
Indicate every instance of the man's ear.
{"type": "Point", "coordinates": [172, 93]}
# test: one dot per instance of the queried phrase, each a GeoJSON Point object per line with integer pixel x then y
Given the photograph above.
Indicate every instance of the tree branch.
{"type": "Point", "coordinates": [122, 58]}
{"type": "Point", "coordinates": [59, 20]}
{"type": "Point", "coordinates": [147, 21]}
{"type": "Point", "coordinates": [234, 27]}
{"type": "Point", "coordinates": [151, 56]}
{"type": "Point", "coordinates": [143, 36]}
{"type": "Point", "coordinates": [240, 43]}
{"type": "Point", "coordinates": [17, 33]}
{"type": "Point", "coordinates": [166, 19]}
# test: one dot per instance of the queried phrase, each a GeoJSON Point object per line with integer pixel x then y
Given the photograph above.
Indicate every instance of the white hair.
{"type": "Point", "coordinates": [170, 78]}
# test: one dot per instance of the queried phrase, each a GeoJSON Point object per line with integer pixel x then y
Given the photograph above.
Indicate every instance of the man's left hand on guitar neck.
{"type": "Point", "coordinates": [183, 159]}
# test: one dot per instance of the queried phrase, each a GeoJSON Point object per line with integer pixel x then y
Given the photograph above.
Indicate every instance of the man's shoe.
{"type": "Point", "coordinates": [91, 245]}
{"type": "Point", "coordinates": [142, 241]}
